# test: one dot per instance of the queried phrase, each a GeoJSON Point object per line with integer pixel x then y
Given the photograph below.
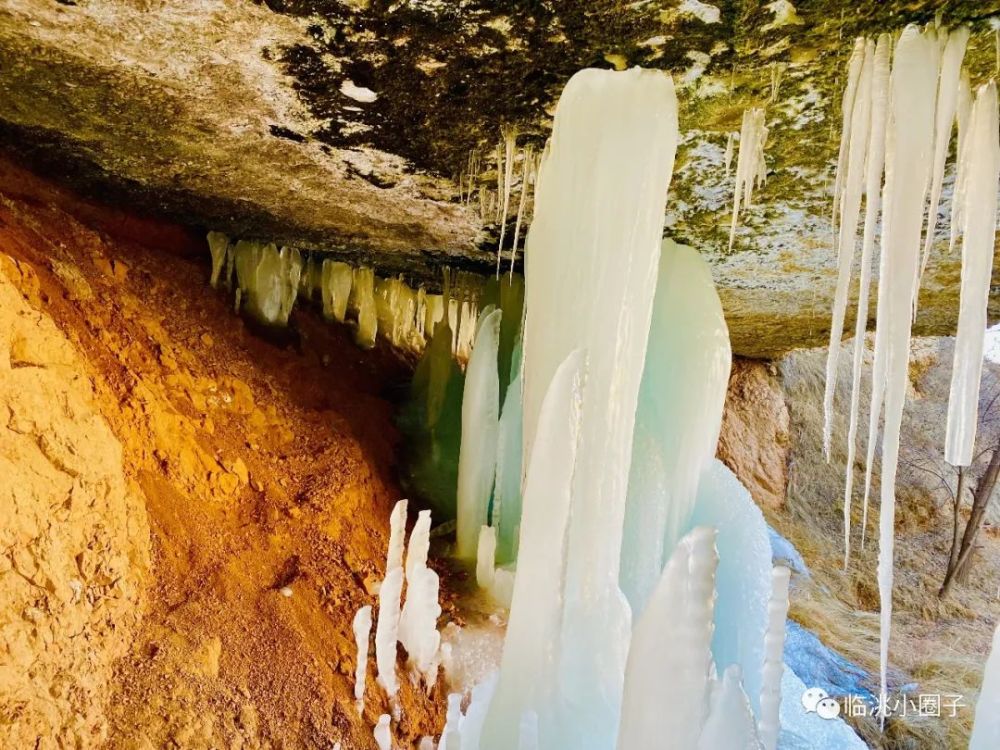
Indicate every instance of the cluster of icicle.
{"type": "Point", "coordinates": [751, 169]}
{"type": "Point", "coordinates": [899, 109]}
{"type": "Point", "coordinates": [269, 280]}
{"type": "Point", "coordinates": [409, 621]}
{"type": "Point", "coordinates": [495, 204]}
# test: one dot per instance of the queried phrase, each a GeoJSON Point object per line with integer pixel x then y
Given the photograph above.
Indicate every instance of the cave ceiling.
{"type": "Point", "coordinates": [347, 127]}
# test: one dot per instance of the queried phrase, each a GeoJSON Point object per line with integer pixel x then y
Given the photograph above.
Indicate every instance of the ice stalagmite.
{"type": "Point", "coordinates": [507, 490]}
{"type": "Point", "coordinates": [980, 174]}
{"type": "Point", "coordinates": [383, 732]}
{"type": "Point", "coordinates": [362, 632]}
{"type": "Point", "coordinates": [480, 417]}
{"type": "Point", "coordinates": [397, 536]}
{"type": "Point", "coordinates": [729, 724]}
{"type": "Point", "coordinates": [986, 730]}
{"type": "Point", "coordinates": [486, 557]}
{"type": "Point", "coordinates": [949, 84]}
{"type": "Point", "coordinates": [910, 147]}
{"type": "Point", "coordinates": [681, 398]}
{"type": "Point", "coordinates": [598, 223]}
{"type": "Point", "coordinates": [875, 161]}
{"type": "Point", "coordinates": [387, 630]}
{"type": "Point", "coordinates": [852, 181]}
{"type": "Point", "coordinates": [418, 620]}
{"type": "Point", "coordinates": [768, 723]}
{"type": "Point", "coordinates": [451, 736]}
{"type": "Point", "coordinates": [529, 665]}
{"type": "Point", "coordinates": [742, 577]}
{"type": "Point", "coordinates": [670, 662]}
{"type": "Point", "coordinates": [750, 167]}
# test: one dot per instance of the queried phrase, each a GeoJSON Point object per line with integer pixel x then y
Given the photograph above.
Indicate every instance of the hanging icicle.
{"type": "Point", "coordinates": [857, 115]}
{"type": "Point", "coordinates": [875, 163]}
{"type": "Point", "coordinates": [751, 170]}
{"type": "Point", "coordinates": [980, 172]}
{"type": "Point", "coordinates": [947, 105]}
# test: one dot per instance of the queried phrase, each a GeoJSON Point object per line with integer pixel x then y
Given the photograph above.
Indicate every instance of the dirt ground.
{"type": "Point", "coordinates": [262, 464]}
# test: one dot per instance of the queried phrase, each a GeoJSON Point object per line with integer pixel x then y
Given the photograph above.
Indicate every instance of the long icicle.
{"type": "Point", "coordinates": [910, 146]}
{"type": "Point", "coordinates": [979, 214]}
{"type": "Point", "coordinates": [509, 142]}
{"type": "Point", "coordinates": [527, 168]}
{"type": "Point", "coordinates": [947, 104]}
{"type": "Point", "coordinates": [846, 106]}
{"type": "Point", "coordinates": [850, 206]}
{"type": "Point", "coordinates": [873, 203]}
{"type": "Point", "coordinates": [964, 117]}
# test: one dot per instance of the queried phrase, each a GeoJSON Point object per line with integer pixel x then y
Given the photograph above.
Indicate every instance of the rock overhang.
{"type": "Point", "coordinates": [344, 127]}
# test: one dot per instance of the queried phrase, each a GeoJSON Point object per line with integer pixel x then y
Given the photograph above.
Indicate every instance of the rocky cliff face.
{"type": "Point", "coordinates": [348, 126]}
{"type": "Point", "coordinates": [74, 534]}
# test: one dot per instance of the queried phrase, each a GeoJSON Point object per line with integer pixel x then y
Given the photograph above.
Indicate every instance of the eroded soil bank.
{"type": "Point", "coordinates": [164, 474]}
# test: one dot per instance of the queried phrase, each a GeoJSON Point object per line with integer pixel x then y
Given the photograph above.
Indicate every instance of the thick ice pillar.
{"type": "Point", "coordinates": [529, 665]}
{"type": "Point", "coordinates": [592, 257]}
{"type": "Point", "coordinates": [507, 489]}
{"type": "Point", "coordinates": [681, 398]}
{"type": "Point", "coordinates": [480, 420]}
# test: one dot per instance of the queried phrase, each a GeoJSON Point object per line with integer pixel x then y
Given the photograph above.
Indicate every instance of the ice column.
{"type": "Point", "coordinates": [507, 490]}
{"type": "Point", "coordinates": [986, 731]}
{"type": "Point", "coordinates": [598, 223]}
{"type": "Point", "coordinates": [418, 621]}
{"type": "Point", "coordinates": [387, 628]}
{"type": "Point", "coordinates": [529, 665]}
{"type": "Point", "coordinates": [681, 398]}
{"type": "Point", "coordinates": [980, 167]}
{"type": "Point", "coordinates": [480, 417]}
{"type": "Point", "coordinates": [769, 724]}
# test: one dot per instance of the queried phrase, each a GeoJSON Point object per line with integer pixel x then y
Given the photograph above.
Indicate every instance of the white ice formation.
{"type": "Point", "coordinates": [751, 169]}
{"type": "Point", "coordinates": [979, 172]}
{"type": "Point", "coordinates": [900, 122]}
{"type": "Point", "coordinates": [362, 633]}
{"type": "Point", "coordinates": [383, 732]}
{"type": "Point", "coordinates": [480, 424]}
{"type": "Point", "coordinates": [418, 631]}
{"type": "Point", "coordinates": [679, 413]}
{"type": "Point", "coordinates": [269, 281]}
{"type": "Point", "coordinates": [986, 731]}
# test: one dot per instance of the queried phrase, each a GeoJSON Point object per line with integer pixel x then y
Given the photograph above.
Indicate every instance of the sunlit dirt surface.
{"type": "Point", "coordinates": [265, 465]}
